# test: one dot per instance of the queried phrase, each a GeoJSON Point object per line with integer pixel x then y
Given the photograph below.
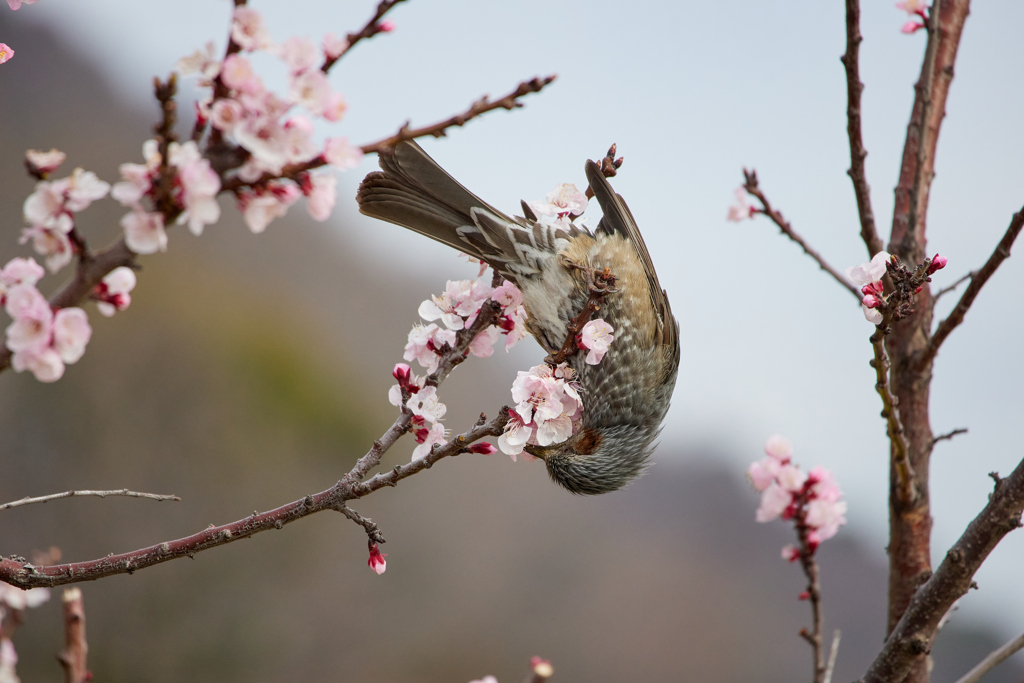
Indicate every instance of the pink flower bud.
{"type": "Point", "coordinates": [483, 448]}
{"type": "Point", "coordinates": [401, 372]}
{"type": "Point", "coordinates": [911, 26]}
{"type": "Point", "coordinates": [790, 553]}
{"type": "Point", "coordinates": [541, 667]}
{"type": "Point", "coordinates": [870, 301]}
{"type": "Point", "coordinates": [938, 263]}
{"type": "Point", "coordinates": [376, 561]}
{"type": "Point", "coordinates": [387, 26]}
{"type": "Point", "coordinates": [804, 596]}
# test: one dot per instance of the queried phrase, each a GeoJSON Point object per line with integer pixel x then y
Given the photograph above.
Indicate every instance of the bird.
{"type": "Point", "coordinates": [626, 395]}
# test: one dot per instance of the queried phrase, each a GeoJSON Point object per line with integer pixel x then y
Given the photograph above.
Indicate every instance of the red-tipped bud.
{"type": "Point", "coordinates": [938, 263]}
{"type": "Point", "coordinates": [401, 372]}
{"type": "Point", "coordinates": [803, 596]}
{"type": "Point", "coordinates": [871, 301]}
{"type": "Point", "coordinates": [541, 667]}
{"type": "Point", "coordinates": [918, 290]}
{"type": "Point", "coordinates": [483, 448]}
{"type": "Point", "coordinates": [387, 26]}
{"type": "Point", "coordinates": [377, 562]}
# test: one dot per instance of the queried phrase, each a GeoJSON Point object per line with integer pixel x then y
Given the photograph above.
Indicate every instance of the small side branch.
{"type": "Point", "coordinates": [76, 649]}
{"type": "Point", "coordinates": [751, 186]}
{"type": "Point", "coordinates": [832, 655]}
{"type": "Point", "coordinates": [373, 531]}
{"type": "Point", "coordinates": [911, 637]}
{"type": "Point", "coordinates": [993, 660]}
{"type": "Point", "coordinates": [854, 88]}
{"type": "Point", "coordinates": [74, 494]}
{"type": "Point", "coordinates": [372, 28]}
{"type": "Point", "coordinates": [949, 435]}
{"type": "Point", "coordinates": [978, 280]}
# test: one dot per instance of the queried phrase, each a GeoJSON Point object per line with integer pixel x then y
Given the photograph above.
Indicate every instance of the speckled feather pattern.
{"type": "Point", "coordinates": [625, 396]}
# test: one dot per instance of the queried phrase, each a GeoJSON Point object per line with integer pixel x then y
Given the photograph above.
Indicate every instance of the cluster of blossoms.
{"type": "Point", "coordinates": [868, 276]}
{"type": "Point", "coordinates": [915, 8]}
{"type": "Point", "coordinates": [548, 409]}
{"type": "Point", "coordinates": [15, 600]}
{"type": "Point", "coordinates": [810, 499]}
{"type": "Point", "coordinates": [257, 120]}
{"type": "Point", "coordinates": [560, 206]}
{"type": "Point", "coordinates": [51, 207]}
{"type": "Point", "coordinates": [42, 340]}
{"type": "Point", "coordinates": [457, 309]}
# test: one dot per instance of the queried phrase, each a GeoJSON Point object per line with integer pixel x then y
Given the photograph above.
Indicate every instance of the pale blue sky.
{"type": "Point", "coordinates": [693, 92]}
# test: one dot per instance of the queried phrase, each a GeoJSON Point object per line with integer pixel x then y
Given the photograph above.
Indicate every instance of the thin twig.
{"type": "Point", "coordinates": [73, 658]}
{"type": "Point", "coordinates": [478, 108]}
{"type": "Point", "coordinates": [911, 638]}
{"type": "Point", "coordinates": [854, 88]}
{"type": "Point", "coordinates": [832, 654]}
{"type": "Point", "coordinates": [993, 660]}
{"type": "Point", "coordinates": [890, 411]}
{"type": "Point", "coordinates": [372, 530]}
{"type": "Point", "coordinates": [952, 288]}
{"type": "Point", "coordinates": [372, 28]}
{"type": "Point", "coordinates": [810, 567]}
{"type": "Point", "coordinates": [925, 87]}
{"type": "Point", "coordinates": [74, 494]}
{"type": "Point", "coordinates": [980, 277]}
{"type": "Point", "coordinates": [948, 435]}
{"type": "Point", "coordinates": [750, 185]}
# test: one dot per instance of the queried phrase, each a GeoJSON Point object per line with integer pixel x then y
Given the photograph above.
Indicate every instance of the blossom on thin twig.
{"type": "Point", "coordinates": [596, 337]}
{"type": "Point", "coordinates": [810, 499]}
{"type": "Point", "coordinates": [741, 209]}
{"type": "Point", "coordinates": [548, 409]}
{"type": "Point", "coordinates": [112, 293]}
{"type": "Point", "coordinates": [377, 562]}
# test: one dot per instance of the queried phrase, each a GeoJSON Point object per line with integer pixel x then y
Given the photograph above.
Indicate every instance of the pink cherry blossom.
{"type": "Point", "coordinates": [912, 6]}
{"type": "Point", "coordinates": [911, 27]}
{"type": "Point", "coordinates": [563, 201]}
{"type": "Point", "coordinates": [483, 448]}
{"type": "Point", "coordinates": [322, 195]}
{"type": "Point", "coordinates": [44, 363]}
{"type": "Point", "coordinates": [237, 74]}
{"type": "Point", "coordinates": [199, 185]}
{"type": "Point", "coordinates": [425, 404]}
{"type": "Point", "coordinates": [18, 599]}
{"type": "Point", "coordinates": [19, 271]}
{"type": "Point", "coordinates": [112, 293]}
{"type": "Point", "coordinates": [6, 52]}
{"type": "Point", "coordinates": [335, 107]}
{"type": "Point", "coordinates": [461, 299]}
{"type": "Point", "coordinates": [774, 501]}
{"type": "Point", "coordinates": [45, 162]}
{"type": "Point", "coordinates": [377, 562]}
{"type": "Point", "coordinates": [516, 435]}
{"type": "Point", "coordinates": [387, 26]}
{"type": "Point", "coordinates": [791, 478]}
{"type": "Point", "coordinates": [266, 140]}
{"type": "Point", "coordinates": [763, 472]}
{"type": "Point", "coordinates": [334, 46]}
{"type": "Point", "coordinates": [541, 667]}
{"type": "Point", "coordinates": [226, 114]}
{"type": "Point", "coordinates": [45, 206]}
{"type": "Point", "coordinates": [427, 438]}
{"type": "Point", "coordinates": [868, 272]}
{"type": "Point", "coordinates": [340, 154]}
{"type": "Point", "coordinates": [741, 209]}
{"type": "Point", "coordinates": [596, 337]}
{"type": "Point", "coordinates": [83, 189]}
{"type": "Point", "coordinates": [33, 319]}
{"type": "Point", "coordinates": [258, 209]}
{"type": "Point", "coordinates": [248, 31]}
{"type": "Point", "coordinates": [203, 63]}
{"type": "Point", "coordinates": [424, 342]}
{"type": "Point", "coordinates": [144, 232]}
{"type": "Point", "coordinates": [71, 333]}
{"type": "Point", "coordinates": [779, 448]}
{"type": "Point", "coordinates": [482, 345]}
{"type": "Point", "coordinates": [52, 244]}
{"type": "Point", "coordinates": [310, 89]}
{"type": "Point", "coordinates": [299, 53]}
{"type": "Point", "coordinates": [16, 4]}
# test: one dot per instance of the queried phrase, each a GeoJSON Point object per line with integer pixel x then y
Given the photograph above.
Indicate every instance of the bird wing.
{"type": "Point", "coordinates": [618, 220]}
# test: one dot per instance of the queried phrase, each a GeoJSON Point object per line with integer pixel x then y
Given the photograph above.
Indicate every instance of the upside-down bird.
{"type": "Point", "coordinates": [626, 395]}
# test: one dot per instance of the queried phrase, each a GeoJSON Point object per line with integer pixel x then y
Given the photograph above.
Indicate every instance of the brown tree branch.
{"type": "Point", "coordinates": [854, 88]}
{"type": "Point", "coordinates": [910, 522]}
{"type": "Point", "coordinates": [993, 660]}
{"type": "Point", "coordinates": [751, 186]}
{"type": "Point", "coordinates": [18, 572]}
{"type": "Point", "coordinates": [952, 288]}
{"type": "Point", "coordinates": [910, 640]}
{"type": "Point", "coordinates": [71, 494]}
{"type": "Point", "coordinates": [372, 28]}
{"type": "Point", "coordinates": [438, 130]}
{"type": "Point", "coordinates": [978, 280]}
{"type": "Point", "coordinates": [904, 484]}
{"type": "Point", "coordinates": [949, 435]}
{"type": "Point", "coordinates": [76, 649]}
{"type": "Point", "coordinates": [833, 654]}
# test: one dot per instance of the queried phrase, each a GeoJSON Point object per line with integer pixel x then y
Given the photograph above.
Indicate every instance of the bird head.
{"type": "Point", "coordinates": [598, 460]}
